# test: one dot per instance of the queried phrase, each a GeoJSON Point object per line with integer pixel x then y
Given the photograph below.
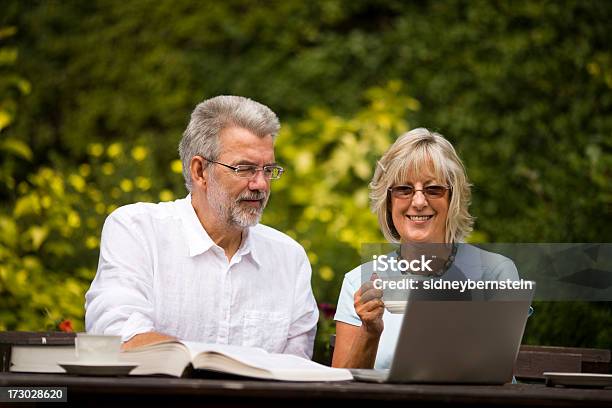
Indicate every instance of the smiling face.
{"type": "Point", "coordinates": [240, 201]}
{"type": "Point", "coordinates": [421, 219]}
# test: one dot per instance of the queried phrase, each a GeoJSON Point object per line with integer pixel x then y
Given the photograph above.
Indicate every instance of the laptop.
{"type": "Point", "coordinates": [457, 341]}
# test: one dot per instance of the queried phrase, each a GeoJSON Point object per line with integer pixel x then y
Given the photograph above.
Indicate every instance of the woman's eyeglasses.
{"type": "Point", "coordinates": [407, 191]}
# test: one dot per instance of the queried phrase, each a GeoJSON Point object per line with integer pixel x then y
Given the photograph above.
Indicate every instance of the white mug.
{"type": "Point", "coordinates": [97, 347]}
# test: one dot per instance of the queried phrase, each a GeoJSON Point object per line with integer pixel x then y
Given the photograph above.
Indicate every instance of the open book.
{"type": "Point", "coordinates": [173, 357]}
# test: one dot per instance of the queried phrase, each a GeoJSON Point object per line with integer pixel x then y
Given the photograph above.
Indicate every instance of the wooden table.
{"type": "Point", "coordinates": [179, 392]}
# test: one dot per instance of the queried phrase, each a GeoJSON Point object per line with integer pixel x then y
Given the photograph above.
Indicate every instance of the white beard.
{"type": "Point", "coordinates": [232, 211]}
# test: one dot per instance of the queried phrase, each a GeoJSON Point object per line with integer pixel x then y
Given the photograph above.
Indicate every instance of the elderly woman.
{"type": "Point", "coordinates": [421, 195]}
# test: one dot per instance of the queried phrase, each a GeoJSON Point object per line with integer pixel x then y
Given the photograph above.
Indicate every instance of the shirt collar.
{"type": "Point", "coordinates": [198, 240]}
{"type": "Point", "coordinates": [248, 246]}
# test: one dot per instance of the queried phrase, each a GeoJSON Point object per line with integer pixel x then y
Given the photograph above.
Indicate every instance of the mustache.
{"type": "Point", "coordinates": [252, 195]}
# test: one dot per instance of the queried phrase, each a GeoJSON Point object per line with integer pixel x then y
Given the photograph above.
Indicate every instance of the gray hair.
{"type": "Point", "coordinates": [210, 117]}
{"type": "Point", "coordinates": [411, 153]}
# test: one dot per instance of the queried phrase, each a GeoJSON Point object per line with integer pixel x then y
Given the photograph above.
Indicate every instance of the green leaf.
{"type": "Point", "coordinates": [8, 55]}
{"type": "Point", "coordinates": [6, 32]}
{"type": "Point", "coordinates": [8, 231]}
{"type": "Point", "coordinates": [17, 147]}
{"type": "Point", "coordinates": [26, 205]}
{"type": "Point", "coordinates": [38, 234]}
{"type": "Point", "coordinates": [5, 119]}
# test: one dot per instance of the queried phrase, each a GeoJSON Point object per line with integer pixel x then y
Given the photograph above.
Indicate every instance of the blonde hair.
{"type": "Point", "coordinates": [411, 154]}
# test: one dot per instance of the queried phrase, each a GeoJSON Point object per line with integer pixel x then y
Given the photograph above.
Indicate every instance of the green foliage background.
{"type": "Point", "coordinates": [94, 97]}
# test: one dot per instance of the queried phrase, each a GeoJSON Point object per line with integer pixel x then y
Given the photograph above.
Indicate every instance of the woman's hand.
{"type": "Point", "coordinates": [370, 307]}
{"type": "Point", "coordinates": [356, 346]}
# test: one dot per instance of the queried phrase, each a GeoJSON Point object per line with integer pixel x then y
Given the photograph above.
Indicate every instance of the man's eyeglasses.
{"type": "Point", "coordinates": [250, 170]}
{"type": "Point", "coordinates": [407, 191]}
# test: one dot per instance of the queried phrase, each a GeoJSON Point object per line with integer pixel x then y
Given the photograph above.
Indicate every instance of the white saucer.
{"type": "Point", "coordinates": [578, 379]}
{"type": "Point", "coordinates": [97, 368]}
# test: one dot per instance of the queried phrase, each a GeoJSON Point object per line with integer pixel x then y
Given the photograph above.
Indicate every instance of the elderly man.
{"type": "Point", "coordinates": [202, 268]}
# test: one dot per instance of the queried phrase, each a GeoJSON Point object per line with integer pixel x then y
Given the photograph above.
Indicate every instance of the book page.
{"type": "Point", "coordinates": [254, 356]}
{"type": "Point", "coordinates": [165, 357]}
{"type": "Point", "coordinates": [40, 359]}
{"type": "Point", "coordinates": [236, 352]}
{"type": "Point", "coordinates": [279, 366]}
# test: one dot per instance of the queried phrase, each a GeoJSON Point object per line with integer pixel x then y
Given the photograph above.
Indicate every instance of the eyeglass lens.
{"type": "Point", "coordinates": [270, 172]}
{"type": "Point", "coordinates": [408, 191]}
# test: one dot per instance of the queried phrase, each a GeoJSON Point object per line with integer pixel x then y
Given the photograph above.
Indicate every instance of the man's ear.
{"type": "Point", "coordinates": [198, 172]}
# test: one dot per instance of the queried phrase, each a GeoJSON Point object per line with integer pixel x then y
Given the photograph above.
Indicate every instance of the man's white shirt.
{"type": "Point", "coordinates": [160, 271]}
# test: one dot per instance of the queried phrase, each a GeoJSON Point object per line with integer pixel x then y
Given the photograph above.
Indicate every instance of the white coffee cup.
{"type": "Point", "coordinates": [395, 306]}
{"type": "Point", "coordinates": [97, 347]}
